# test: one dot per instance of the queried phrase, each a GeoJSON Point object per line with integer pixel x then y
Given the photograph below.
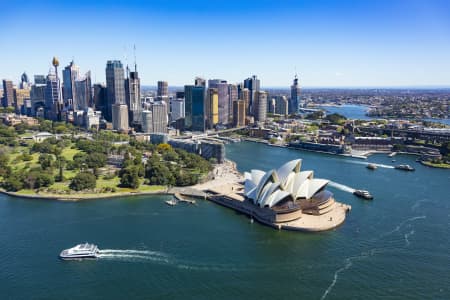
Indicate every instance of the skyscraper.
{"type": "Point", "coordinates": [222, 91]}
{"type": "Point", "coordinates": [70, 75]}
{"type": "Point", "coordinates": [212, 108]}
{"type": "Point", "coordinates": [100, 97]}
{"type": "Point", "coordinates": [200, 81]}
{"type": "Point", "coordinates": [295, 96]}
{"type": "Point", "coordinates": [260, 106]}
{"type": "Point", "coordinates": [8, 93]}
{"type": "Point", "coordinates": [232, 96]}
{"type": "Point", "coordinates": [253, 85]}
{"type": "Point", "coordinates": [120, 117]}
{"type": "Point", "coordinates": [163, 89]}
{"type": "Point", "coordinates": [82, 91]}
{"type": "Point", "coordinates": [194, 107]}
{"type": "Point", "coordinates": [52, 97]}
{"type": "Point", "coordinates": [281, 105]}
{"type": "Point", "coordinates": [24, 81]}
{"type": "Point", "coordinates": [239, 113]}
{"type": "Point", "coordinates": [245, 96]}
{"type": "Point", "coordinates": [133, 96]}
{"type": "Point", "coordinates": [115, 86]}
{"type": "Point", "coordinates": [159, 116]}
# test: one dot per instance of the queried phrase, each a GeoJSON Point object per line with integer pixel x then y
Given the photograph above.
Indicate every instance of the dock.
{"type": "Point", "coordinates": [180, 198]}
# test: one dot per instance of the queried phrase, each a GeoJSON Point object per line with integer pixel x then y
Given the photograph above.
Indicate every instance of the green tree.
{"type": "Point", "coordinates": [82, 181]}
{"type": "Point", "coordinates": [129, 177]}
{"type": "Point", "coordinates": [96, 160]}
{"type": "Point", "coordinates": [46, 161]}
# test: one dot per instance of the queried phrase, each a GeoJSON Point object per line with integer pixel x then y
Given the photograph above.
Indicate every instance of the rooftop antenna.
{"type": "Point", "coordinates": [126, 59]}
{"type": "Point", "coordinates": [295, 70]}
{"type": "Point", "coordinates": [134, 52]}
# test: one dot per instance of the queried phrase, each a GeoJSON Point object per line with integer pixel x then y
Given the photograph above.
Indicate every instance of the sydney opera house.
{"type": "Point", "coordinates": [285, 198]}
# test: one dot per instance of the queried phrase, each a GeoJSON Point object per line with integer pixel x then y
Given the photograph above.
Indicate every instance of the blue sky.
{"type": "Point", "coordinates": [329, 43]}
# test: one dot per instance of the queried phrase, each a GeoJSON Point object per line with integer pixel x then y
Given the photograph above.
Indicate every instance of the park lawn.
{"type": "Point", "coordinates": [103, 183]}
{"type": "Point", "coordinates": [61, 186]}
{"type": "Point", "coordinates": [26, 192]}
{"type": "Point", "coordinates": [16, 165]}
{"type": "Point", "coordinates": [68, 153]}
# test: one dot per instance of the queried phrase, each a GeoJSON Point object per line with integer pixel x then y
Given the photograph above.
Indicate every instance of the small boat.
{"type": "Point", "coordinates": [405, 167]}
{"type": "Point", "coordinates": [371, 167]}
{"type": "Point", "coordinates": [171, 202]}
{"type": "Point", "coordinates": [81, 251]}
{"type": "Point", "coordinates": [363, 194]}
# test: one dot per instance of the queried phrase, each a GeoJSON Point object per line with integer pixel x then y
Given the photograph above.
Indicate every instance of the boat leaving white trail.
{"type": "Point", "coordinates": [341, 187]}
{"type": "Point", "coordinates": [367, 163]}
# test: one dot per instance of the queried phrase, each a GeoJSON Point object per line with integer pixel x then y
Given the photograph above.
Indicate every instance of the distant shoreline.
{"type": "Point", "coordinates": [80, 197]}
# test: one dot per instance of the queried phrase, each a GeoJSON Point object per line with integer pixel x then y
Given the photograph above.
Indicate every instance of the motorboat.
{"type": "Point", "coordinates": [81, 251]}
{"type": "Point", "coordinates": [371, 167]}
{"type": "Point", "coordinates": [363, 194]}
{"type": "Point", "coordinates": [405, 167]}
{"type": "Point", "coordinates": [171, 202]}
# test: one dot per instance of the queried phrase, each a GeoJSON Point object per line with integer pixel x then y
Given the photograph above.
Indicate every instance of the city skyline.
{"type": "Point", "coordinates": [328, 43]}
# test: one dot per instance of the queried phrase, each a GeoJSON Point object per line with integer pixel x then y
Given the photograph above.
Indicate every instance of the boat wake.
{"type": "Point", "coordinates": [348, 264]}
{"type": "Point", "coordinates": [407, 235]}
{"type": "Point", "coordinates": [133, 255]}
{"type": "Point", "coordinates": [372, 252]}
{"type": "Point", "coordinates": [367, 163]}
{"type": "Point", "coordinates": [399, 226]}
{"type": "Point", "coordinates": [341, 187]}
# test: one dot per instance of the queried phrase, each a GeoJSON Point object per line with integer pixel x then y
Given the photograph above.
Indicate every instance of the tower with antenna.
{"type": "Point", "coordinates": [295, 95]}
{"type": "Point", "coordinates": [133, 95]}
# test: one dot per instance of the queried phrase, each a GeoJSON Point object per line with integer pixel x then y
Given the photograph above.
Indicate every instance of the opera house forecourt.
{"type": "Point", "coordinates": [286, 198]}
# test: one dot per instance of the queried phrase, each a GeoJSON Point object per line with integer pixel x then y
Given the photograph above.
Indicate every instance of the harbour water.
{"type": "Point", "coordinates": [355, 111]}
{"type": "Point", "coordinates": [396, 246]}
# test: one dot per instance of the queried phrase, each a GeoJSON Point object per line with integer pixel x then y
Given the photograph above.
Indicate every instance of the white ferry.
{"type": "Point", "coordinates": [80, 251]}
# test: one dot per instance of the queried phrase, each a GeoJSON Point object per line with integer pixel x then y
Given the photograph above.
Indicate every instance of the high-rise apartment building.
{"type": "Point", "coordinates": [232, 96]}
{"type": "Point", "coordinates": [8, 93]}
{"type": "Point", "coordinates": [295, 96]}
{"type": "Point", "coordinates": [120, 117]}
{"type": "Point", "coordinates": [159, 116]}
{"type": "Point", "coordinates": [281, 105]}
{"type": "Point", "coordinates": [260, 106]}
{"type": "Point", "coordinates": [115, 86]}
{"type": "Point", "coordinates": [245, 96]}
{"type": "Point", "coordinates": [239, 113]}
{"type": "Point", "coordinates": [154, 119]}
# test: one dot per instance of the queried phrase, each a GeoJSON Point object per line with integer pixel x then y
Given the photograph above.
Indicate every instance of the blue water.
{"type": "Point", "coordinates": [395, 247]}
{"type": "Point", "coordinates": [350, 111]}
